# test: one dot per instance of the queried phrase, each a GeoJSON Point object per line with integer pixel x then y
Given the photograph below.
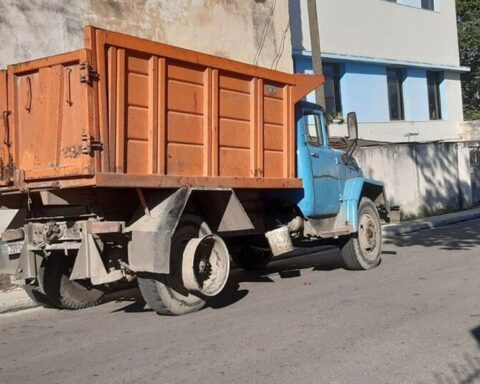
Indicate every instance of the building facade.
{"type": "Point", "coordinates": [256, 32]}
{"type": "Point", "coordinates": [394, 62]}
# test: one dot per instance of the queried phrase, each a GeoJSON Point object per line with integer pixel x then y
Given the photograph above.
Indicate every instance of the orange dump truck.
{"type": "Point", "coordinates": [137, 160]}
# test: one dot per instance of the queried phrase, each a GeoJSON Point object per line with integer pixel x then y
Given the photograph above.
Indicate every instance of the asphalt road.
{"type": "Point", "coordinates": [414, 319]}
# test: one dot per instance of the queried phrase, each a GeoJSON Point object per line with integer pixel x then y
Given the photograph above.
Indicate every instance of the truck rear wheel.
{"type": "Point", "coordinates": [33, 292]}
{"type": "Point", "coordinates": [60, 290]}
{"type": "Point", "coordinates": [166, 294]}
{"type": "Point", "coordinates": [362, 250]}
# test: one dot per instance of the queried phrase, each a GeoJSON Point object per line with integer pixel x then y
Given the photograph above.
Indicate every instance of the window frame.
{"type": "Point", "coordinates": [428, 5]}
{"type": "Point", "coordinates": [320, 140]}
{"type": "Point", "coordinates": [399, 78]}
{"type": "Point", "coordinates": [434, 96]}
{"type": "Point", "coordinates": [336, 72]}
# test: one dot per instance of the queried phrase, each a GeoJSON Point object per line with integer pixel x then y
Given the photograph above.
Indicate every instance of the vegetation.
{"type": "Point", "coordinates": [468, 18]}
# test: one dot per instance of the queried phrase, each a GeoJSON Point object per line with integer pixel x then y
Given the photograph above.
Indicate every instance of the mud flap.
{"type": "Point", "coordinates": [149, 249]}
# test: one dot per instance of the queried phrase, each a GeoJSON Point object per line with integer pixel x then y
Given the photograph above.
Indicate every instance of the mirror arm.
{"type": "Point", "coordinates": [348, 155]}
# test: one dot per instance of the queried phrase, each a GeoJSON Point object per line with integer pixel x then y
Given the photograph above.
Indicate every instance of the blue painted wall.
{"type": "Point", "coordinates": [364, 90]}
{"type": "Point", "coordinates": [415, 95]}
{"type": "Point", "coordinates": [303, 64]}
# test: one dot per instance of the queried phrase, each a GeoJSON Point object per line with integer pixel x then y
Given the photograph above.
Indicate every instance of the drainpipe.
{"type": "Point", "coordinates": [316, 52]}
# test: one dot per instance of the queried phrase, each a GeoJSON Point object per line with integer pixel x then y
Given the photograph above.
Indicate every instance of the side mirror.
{"type": "Point", "coordinates": [352, 125]}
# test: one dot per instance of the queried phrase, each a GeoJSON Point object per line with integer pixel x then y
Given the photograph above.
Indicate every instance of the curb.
{"type": "Point", "coordinates": [15, 300]}
{"type": "Point", "coordinates": [393, 230]}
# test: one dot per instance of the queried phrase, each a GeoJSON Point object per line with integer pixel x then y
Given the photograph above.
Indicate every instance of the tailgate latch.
{"type": "Point", "coordinates": [90, 145]}
{"type": "Point", "coordinates": [87, 73]}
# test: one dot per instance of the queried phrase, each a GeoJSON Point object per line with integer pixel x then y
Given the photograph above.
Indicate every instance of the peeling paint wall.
{"type": "Point", "coordinates": [252, 31]}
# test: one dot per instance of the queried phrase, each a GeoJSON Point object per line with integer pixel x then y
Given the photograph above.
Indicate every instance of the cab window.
{"type": "Point", "coordinates": [313, 129]}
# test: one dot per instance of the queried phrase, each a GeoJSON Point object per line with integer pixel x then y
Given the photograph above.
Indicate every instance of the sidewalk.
{"type": "Point", "coordinates": [16, 299]}
{"type": "Point", "coordinates": [392, 230]}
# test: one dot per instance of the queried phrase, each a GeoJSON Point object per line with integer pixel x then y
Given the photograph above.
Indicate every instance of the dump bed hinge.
{"type": "Point", "coordinates": [87, 73]}
{"type": "Point", "coordinates": [90, 145]}
{"type": "Point", "coordinates": [7, 170]}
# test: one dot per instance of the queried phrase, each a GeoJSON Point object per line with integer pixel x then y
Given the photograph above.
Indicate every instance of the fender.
{"type": "Point", "coordinates": [354, 190]}
{"type": "Point", "coordinates": [152, 229]}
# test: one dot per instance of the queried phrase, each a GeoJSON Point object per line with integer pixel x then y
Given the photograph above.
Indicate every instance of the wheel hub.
{"type": "Point", "coordinates": [367, 235]}
{"type": "Point", "coordinates": [205, 265]}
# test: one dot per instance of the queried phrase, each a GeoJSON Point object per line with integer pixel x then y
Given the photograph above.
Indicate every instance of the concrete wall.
{"type": "Point", "coordinates": [380, 29]}
{"type": "Point", "coordinates": [252, 31]}
{"type": "Point", "coordinates": [422, 178]}
{"type": "Point", "coordinates": [470, 130]}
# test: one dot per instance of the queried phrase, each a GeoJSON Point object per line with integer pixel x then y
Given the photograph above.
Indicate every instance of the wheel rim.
{"type": "Point", "coordinates": [174, 281]}
{"type": "Point", "coordinates": [206, 263]}
{"type": "Point", "coordinates": [367, 236]}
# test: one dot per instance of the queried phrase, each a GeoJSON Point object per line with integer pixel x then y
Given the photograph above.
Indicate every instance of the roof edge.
{"type": "Point", "coordinates": [377, 60]}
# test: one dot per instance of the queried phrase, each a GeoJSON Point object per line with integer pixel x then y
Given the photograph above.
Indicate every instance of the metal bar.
{"type": "Point", "coordinates": [162, 117]}
{"type": "Point", "coordinates": [116, 180]}
{"type": "Point", "coordinates": [112, 104]}
{"type": "Point", "coordinates": [102, 99]}
{"type": "Point", "coordinates": [153, 115]}
{"type": "Point", "coordinates": [207, 122]}
{"type": "Point", "coordinates": [261, 128]}
{"type": "Point", "coordinates": [121, 113]}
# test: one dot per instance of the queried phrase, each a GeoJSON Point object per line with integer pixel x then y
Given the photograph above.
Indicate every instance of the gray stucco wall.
{"type": "Point", "coordinates": [422, 178]}
{"type": "Point", "coordinates": [252, 31]}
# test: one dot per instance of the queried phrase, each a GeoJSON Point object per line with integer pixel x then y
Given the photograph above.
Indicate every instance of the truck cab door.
{"type": "Point", "coordinates": [318, 166]}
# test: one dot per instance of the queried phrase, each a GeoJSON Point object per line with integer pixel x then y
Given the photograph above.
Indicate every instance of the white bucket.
{"type": "Point", "coordinates": [280, 241]}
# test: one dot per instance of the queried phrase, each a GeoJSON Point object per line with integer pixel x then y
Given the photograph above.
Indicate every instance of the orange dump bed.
{"type": "Point", "coordinates": [128, 112]}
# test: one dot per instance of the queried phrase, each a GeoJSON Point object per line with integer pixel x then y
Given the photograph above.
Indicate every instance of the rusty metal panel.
{"type": "Point", "coordinates": [51, 108]}
{"type": "Point", "coordinates": [126, 111]}
{"type": "Point", "coordinates": [4, 130]}
{"type": "Point", "coordinates": [180, 113]}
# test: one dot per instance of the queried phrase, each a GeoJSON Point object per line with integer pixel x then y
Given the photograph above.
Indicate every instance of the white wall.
{"type": "Point", "coordinates": [250, 31]}
{"type": "Point", "coordinates": [421, 178]}
{"type": "Point", "coordinates": [380, 29]}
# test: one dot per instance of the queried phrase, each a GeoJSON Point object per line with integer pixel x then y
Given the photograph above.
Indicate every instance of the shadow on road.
{"type": "Point", "coordinates": [476, 334]}
{"type": "Point", "coordinates": [323, 258]}
{"type": "Point", "coordinates": [465, 372]}
{"type": "Point", "coordinates": [453, 238]}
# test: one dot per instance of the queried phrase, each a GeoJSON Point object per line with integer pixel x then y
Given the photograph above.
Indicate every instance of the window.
{"type": "Point", "coordinates": [428, 4]}
{"type": "Point", "coordinates": [433, 83]}
{"type": "Point", "coordinates": [333, 103]}
{"type": "Point", "coordinates": [424, 4]}
{"type": "Point", "coordinates": [313, 128]}
{"type": "Point", "coordinates": [395, 94]}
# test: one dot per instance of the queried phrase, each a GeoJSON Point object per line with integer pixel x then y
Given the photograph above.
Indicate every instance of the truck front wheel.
{"type": "Point", "coordinates": [166, 294]}
{"type": "Point", "coordinates": [362, 250]}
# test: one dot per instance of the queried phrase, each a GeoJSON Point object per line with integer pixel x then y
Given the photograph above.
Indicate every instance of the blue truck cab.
{"type": "Point", "coordinates": [337, 202]}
